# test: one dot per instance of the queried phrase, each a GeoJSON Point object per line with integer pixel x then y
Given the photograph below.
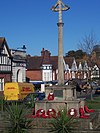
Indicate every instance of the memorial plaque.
{"type": "Point", "coordinates": [58, 93]}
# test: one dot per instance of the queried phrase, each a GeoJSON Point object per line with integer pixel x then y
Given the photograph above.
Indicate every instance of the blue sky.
{"type": "Point", "coordinates": [32, 23]}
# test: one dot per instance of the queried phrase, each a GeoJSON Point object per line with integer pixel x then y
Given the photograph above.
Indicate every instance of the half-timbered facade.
{"type": "Point", "coordinates": [5, 63]}
{"type": "Point", "coordinates": [12, 64]}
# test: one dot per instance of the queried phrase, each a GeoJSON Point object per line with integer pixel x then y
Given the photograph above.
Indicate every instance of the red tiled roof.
{"type": "Point", "coordinates": [35, 62]}
{"type": "Point", "coordinates": [54, 61]}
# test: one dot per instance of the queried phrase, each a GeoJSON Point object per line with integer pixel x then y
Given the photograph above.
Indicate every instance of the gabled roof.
{"type": "Point", "coordinates": [69, 61]}
{"type": "Point", "coordinates": [36, 62]}
{"type": "Point", "coordinates": [2, 43]}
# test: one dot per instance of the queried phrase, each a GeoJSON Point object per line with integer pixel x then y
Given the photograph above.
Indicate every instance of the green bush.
{"type": "Point", "coordinates": [62, 123]}
{"type": "Point", "coordinates": [16, 116]}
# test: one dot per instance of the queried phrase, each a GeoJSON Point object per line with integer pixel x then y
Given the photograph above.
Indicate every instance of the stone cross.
{"type": "Point", "coordinates": [59, 7]}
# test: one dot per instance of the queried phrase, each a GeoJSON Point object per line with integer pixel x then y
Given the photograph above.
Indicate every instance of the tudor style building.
{"type": "Point", "coordinates": [5, 63]}
{"type": "Point", "coordinates": [12, 64]}
{"type": "Point", "coordinates": [45, 68]}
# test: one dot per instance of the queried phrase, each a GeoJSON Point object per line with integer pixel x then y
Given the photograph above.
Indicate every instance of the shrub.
{"type": "Point", "coordinates": [16, 116]}
{"type": "Point", "coordinates": [62, 123]}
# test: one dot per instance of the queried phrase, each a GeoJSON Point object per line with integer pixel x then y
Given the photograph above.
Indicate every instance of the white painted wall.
{"type": "Point", "coordinates": [19, 74]}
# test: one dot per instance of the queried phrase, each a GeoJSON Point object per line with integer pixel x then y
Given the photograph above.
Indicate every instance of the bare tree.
{"type": "Point", "coordinates": [88, 42]}
{"type": "Point", "coordinates": [87, 45]}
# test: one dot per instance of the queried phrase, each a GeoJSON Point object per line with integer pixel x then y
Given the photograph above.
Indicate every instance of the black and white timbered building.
{"type": "Point", "coordinates": [12, 64]}
{"type": "Point", "coordinates": [5, 63]}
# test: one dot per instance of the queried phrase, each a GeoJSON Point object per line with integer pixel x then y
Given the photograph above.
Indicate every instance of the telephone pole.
{"type": "Point", "coordinates": [59, 7]}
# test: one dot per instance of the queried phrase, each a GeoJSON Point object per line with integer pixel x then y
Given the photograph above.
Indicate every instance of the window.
{"type": "Point", "coordinates": [44, 78]}
{"type": "Point", "coordinates": [47, 72]}
{"type": "Point", "coordinates": [47, 75]}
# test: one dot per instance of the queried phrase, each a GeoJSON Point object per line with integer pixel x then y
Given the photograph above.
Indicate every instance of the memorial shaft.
{"type": "Point", "coordinates": [59, 7]}
{"type": "Point", "coordinates": [60, 55]}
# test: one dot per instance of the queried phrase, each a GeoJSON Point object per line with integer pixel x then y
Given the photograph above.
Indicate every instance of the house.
{"type": "Point", "coordinates": [44, 68]}
{"type": "Point", "coordinates": [5, 63]}
{"type": "Point", "coordinates": [39, 68]}
{"type": "Point", "coordinates": [12, 64]}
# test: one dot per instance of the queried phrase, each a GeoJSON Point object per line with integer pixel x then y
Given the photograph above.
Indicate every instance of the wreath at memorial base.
{"type": "Point", "coordinates": [51, 113]}
{"type": "Point", "coordinates": [40, 113]}
{"type": "Point", "coordinates": [50, 96]}
{"type": "Point", "coordinates": [72, 112]}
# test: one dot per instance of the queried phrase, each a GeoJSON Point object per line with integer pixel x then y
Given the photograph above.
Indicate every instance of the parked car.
{"type": "Point", "coordinates": [97, 91]}
{"type": "Point", "coordinates": [34, 97]}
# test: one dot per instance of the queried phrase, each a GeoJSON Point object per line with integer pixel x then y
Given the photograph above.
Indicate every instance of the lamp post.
{"type": "Point", "coordinates": [59, 7]}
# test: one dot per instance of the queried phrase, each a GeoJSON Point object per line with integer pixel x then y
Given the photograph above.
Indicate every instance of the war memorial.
{"type": "Point", "coordinates": [60, 96]}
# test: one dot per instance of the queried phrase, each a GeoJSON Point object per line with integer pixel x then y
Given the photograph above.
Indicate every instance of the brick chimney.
{"type": "Point", "coordinates": [42, 52]}
{"type": "Point", "coordinates": [46, 56]}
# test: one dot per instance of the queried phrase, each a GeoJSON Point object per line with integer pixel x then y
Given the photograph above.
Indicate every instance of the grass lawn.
{"type": "Point", "coordinates": [94, 104]}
